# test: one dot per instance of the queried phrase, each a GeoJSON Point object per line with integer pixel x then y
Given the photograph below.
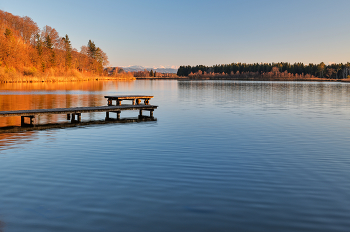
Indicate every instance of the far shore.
{"type": "Point", "coordinates": [242, 79]}
{"type": "Point", "coordinates": [53, 79]}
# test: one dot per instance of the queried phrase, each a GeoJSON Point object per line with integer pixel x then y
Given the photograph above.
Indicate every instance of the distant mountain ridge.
{"type": "Point", "coordinates": [136, 68]}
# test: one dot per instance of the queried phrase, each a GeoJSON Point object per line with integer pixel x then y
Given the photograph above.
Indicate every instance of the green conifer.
{"type": "Point", "coordinates": [68, 48]}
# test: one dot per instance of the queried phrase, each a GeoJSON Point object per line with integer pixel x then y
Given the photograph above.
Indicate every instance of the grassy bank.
{"type": "Point", "coordinates": [11, 75]}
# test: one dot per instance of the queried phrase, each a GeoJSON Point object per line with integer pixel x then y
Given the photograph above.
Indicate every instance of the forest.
{"type": "Point", "coordinates": [264, 71]}
{"type": "Point", "coordinates": [28, 53]}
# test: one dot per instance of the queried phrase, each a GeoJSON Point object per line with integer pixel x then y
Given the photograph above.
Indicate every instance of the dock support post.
{"type": "Point", "coordinates": [118, 115]}
{"type": "Point", "coordinates": [107, 115]}
{"type": "Point", "coordinates": [140, 114]}
{"type": "Point", "coordinates": [31, 120]}
{"type": "Point", "coordinates": [151, 113]}
{"type": "Point", "coordinates": [138, 101]}
{"type": "Point", "coordinates": [68, 116]}
{"type": "Point", "coordinates": [74, 119]}
{"type": "Point", "coordinates": [109, 102]}
{"type": "Point", "coordinates": [133, 101]}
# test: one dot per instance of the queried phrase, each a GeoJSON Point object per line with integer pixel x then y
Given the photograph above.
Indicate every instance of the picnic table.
{"type": "Point", "coordinates": [133, 98]}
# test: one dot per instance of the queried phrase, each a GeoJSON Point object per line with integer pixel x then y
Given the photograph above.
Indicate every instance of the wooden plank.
{"type": "Point", "coordinates": [76, 110]}
{"type": "Point", "coordinates": [134, 98]}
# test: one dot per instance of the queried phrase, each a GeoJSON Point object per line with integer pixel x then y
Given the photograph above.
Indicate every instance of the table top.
{"type": "Point", "coordinates": [128, 96]}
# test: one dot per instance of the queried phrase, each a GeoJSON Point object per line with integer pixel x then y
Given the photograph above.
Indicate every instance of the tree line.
{"type": "Point", "coordinates": [145, 74]}
{"type": "Point", "coordinates": [332, 71]}
{"type": "Point", "coordinates": [27, 49]}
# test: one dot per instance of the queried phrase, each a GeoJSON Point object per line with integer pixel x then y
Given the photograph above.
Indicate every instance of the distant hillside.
{"type": "Point", "coordinates": [136, 68]}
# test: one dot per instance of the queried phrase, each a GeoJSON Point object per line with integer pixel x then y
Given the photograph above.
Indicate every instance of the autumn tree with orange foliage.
{"type": "Point", "coordinates": [25, 50]}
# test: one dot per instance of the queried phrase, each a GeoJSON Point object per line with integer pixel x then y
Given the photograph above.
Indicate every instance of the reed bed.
{"type": "Point", "coordinates": [31, 74]}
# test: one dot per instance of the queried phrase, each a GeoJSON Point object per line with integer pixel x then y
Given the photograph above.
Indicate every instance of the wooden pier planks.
{"type": "Point", "coordinates": [76, 110]}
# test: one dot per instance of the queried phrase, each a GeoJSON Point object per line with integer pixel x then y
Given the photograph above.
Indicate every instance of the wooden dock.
{"type": "Point", "coordinates": [133, 98]}
{"type": "Point", "coordinates": [74, 114]}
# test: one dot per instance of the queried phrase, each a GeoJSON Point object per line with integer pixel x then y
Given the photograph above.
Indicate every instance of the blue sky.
{"type": "Point", "coordinates": [158, 33]}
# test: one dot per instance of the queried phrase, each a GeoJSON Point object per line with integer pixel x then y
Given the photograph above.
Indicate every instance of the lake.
{"type": "Point", "coordinates": [220, 156]}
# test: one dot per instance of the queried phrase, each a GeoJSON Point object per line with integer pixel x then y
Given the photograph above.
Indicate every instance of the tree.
{"type": "Point", "coordinates": [101, 57]}
{"type": "Point", "coordinates": [49, 46]}
{"type": "Point", "coordinates": [97, 58]}
{"type": "Point", "coordinates": [39, 44]}
{"type": "Point", "coordinates": [29, 30]}
{"type": "Point", "coordinates": [68, 49]}
{"type": "Point", "coordinates": [48, 42]}
{"type": "Point", "coordinates": [24, 46]}
{"type": "Point", "coordinates": [55, 39]}
{"type": "Point", "coordinates": [91, 49]}
{"type": "Point", "coordinates": [39, 48]}
{"type": "Point", "coordinates": [320, 69]}
{"type": "Point", "coordinates": [151, 73]}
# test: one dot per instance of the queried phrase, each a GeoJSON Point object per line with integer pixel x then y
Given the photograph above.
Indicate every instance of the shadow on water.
{"type": "Point", "coordinates": [16, 129]}
{"type": "Point", "coordinates": [2, 226]}
{"type": "Point", "coordinates": [11, 135]}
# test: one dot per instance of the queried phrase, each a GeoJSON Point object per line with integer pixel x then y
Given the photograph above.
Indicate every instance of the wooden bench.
{"type": "Point", "coordinates": [133, 98]}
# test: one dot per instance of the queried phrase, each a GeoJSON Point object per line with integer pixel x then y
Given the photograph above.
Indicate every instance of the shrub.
{"type": "Point", "coordinates": [30, 71]}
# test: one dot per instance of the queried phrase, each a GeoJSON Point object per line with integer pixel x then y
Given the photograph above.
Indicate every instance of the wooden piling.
{"type": "Point", "coordinates": [31, 120]}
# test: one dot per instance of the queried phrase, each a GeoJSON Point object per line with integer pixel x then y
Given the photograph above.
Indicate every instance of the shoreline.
{"type": "Point", "coordinates": [106, 78]}
{"type": "Point", "coordinates": [244, 79]}
{"type": "Point", "coordinates": [66, 79]}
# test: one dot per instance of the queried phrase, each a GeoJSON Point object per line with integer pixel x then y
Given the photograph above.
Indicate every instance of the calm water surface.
{"type": "Point", "coordinates": [222, 156]}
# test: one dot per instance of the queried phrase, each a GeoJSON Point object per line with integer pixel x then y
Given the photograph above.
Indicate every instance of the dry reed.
{"type": "Point", "coordinates": [31, 74]}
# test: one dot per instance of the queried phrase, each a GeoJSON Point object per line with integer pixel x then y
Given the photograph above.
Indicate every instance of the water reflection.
{"type": "Point", "coordinates": [7, 139]}
{"type": "Point", "coordinates": [2, 226]}
{"type": "Point", "coordinates": [65, 86]}
{"type": "Point", "coordinates": [27, 96]}
{"type": "Point", "coordinates": [267, 95]}
{"type": "Point", "coordinates": [12, 135]}
{"type": "Point", "coordinates": [226, 156]}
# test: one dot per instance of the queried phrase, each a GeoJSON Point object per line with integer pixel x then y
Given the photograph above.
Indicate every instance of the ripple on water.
{"type": "Point", "coordinates": [222, 156]}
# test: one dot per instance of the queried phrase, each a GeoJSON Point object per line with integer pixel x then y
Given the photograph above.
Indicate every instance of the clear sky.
{"type": "Point", "coordinates": [155, 33]}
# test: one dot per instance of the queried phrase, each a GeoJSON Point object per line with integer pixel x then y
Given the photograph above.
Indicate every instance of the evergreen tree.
{"type": "Point", "coordinates": [68, 48]}
{"type": "Point", "coordinates": [92, 49]}
{"type": "Point", "coordinates": [151, 73]}
{"type": "Point", "coordinates": [49, 46]}
{"type": "Point", "coordinates": [39, 48]}
{"type": "Point", "coordinates": [48, 42]}
{"type": "Point", "coordinates": [39, 45]}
